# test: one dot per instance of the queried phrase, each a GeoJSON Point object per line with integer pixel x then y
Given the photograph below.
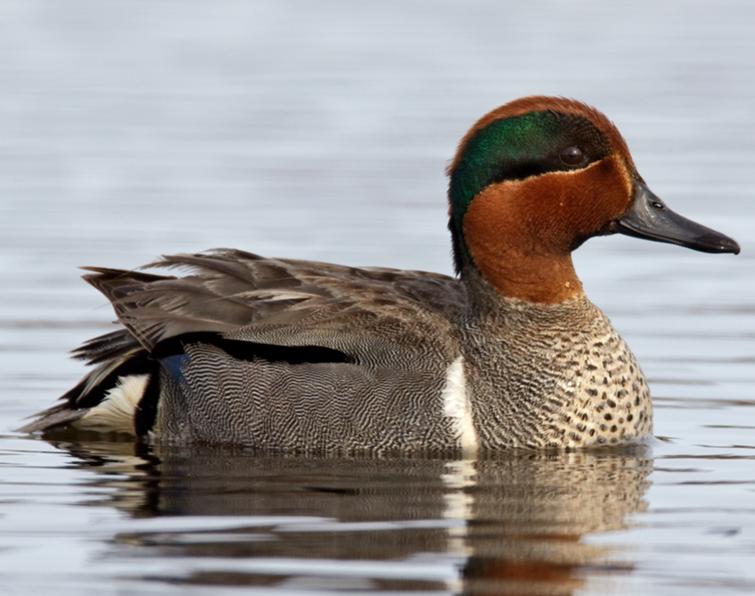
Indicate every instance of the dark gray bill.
{"type": "Point", "coordinates": [649, 218]}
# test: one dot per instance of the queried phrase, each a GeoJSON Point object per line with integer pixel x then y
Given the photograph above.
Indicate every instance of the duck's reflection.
{"type": "Point", "coordinates": [514, 523]}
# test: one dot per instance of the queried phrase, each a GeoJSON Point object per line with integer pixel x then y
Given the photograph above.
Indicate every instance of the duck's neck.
{"type": "Point", "coordinates": [524, 254]}
{"type": "Point", "coordinates": [538, 279]}
{"type": "Point", "coordinates": [489, 304]}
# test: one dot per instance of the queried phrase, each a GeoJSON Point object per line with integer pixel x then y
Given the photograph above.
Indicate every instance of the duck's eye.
{"type": "Point", "coordinates": [572, 156]}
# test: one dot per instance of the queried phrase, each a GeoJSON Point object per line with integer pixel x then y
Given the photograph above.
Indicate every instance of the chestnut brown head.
{"type": "Point", "coordinates": [534, 179]}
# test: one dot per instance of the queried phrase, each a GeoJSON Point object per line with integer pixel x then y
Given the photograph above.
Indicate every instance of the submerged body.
{"type": "Point", "coordinates": [296, 355]}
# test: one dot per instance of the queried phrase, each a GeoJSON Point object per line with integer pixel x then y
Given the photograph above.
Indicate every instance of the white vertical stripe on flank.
{"type": "Point", "coordinates": [457, 407]}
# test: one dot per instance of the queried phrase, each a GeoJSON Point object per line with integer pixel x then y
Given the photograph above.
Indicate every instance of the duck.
{"type": "Point", "coordinates": [300, 356]}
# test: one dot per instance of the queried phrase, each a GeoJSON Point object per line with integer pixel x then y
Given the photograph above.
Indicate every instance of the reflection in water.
{"type": "Point", "coordinates": [512, 523]}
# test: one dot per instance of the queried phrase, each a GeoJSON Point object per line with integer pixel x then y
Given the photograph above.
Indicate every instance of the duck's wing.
{"type": "Point", "coordinates": [370, 315]}
{"type": "Point", "coordinates": [254, 307]}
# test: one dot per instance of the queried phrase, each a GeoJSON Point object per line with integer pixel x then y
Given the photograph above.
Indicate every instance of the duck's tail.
{"type": "Point", "coordinates": [119, 395]}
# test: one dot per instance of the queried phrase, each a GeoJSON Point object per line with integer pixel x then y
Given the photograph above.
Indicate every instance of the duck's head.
{"type": "Point", "coordinates": [534, 179]}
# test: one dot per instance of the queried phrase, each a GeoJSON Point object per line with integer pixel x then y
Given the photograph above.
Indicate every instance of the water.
{"type": "Point", "coordinates": [320, 130]}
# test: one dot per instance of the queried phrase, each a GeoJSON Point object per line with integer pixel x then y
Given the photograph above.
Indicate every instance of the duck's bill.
{"type": "Point", "coordinates": [650, 218]}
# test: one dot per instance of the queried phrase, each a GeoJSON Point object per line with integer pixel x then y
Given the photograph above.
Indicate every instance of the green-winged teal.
{"type": "Point", "coordinates": [299, 355]}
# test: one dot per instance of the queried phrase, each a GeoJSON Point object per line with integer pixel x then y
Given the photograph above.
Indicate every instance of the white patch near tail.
{"type": "Point", "coordinates": [457, 407]}
{"type": "Point", "coordinates": [115, 413]}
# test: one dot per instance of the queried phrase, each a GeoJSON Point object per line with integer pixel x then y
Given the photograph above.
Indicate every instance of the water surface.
{"type": "Point", "coordinates": [320, 130]}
